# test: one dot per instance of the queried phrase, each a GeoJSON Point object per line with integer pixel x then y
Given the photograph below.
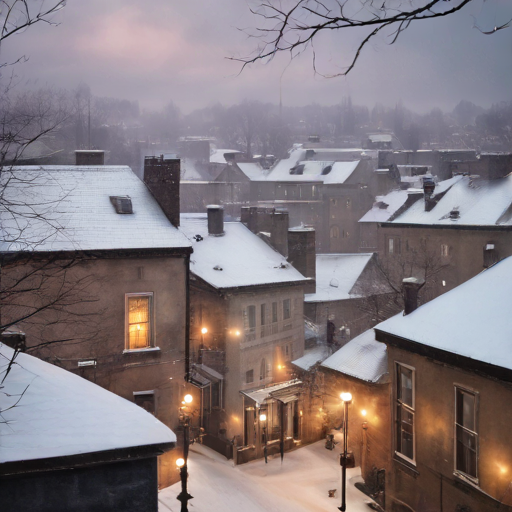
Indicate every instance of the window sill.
{"type": "Point", "coordinates": [140, 350]}
{"type": "Point", "coordinates": [406, 465]}
{"type": "Point", "coordinates": [464, 479]}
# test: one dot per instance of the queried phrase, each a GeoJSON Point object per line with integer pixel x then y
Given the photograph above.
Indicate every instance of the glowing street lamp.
{"type": "Point", "coordinates": [347, 399]}
{"type": "Point", "coordinates": [181, 463]}
{"type": "Point", "coordinates": [204, 330]}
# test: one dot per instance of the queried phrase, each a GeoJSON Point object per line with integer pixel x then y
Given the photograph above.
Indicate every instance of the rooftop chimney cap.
{"type": "Point", "coordinates": [215, 220]}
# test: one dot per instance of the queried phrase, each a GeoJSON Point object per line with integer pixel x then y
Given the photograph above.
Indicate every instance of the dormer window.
{"type": "Point", "coordinates": [122, 204]}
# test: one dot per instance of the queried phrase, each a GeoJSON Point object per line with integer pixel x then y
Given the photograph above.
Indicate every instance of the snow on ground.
{"type": "Point", "coordinates": [301, 483]}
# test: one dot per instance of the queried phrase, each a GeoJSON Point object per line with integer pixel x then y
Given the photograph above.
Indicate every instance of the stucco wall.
{"type": "Point", "coordinates": [431, 482]}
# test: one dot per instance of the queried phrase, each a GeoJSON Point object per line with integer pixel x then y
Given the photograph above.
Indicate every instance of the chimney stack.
{"type": "Point", "coordinates": [215, 220]}
{"type": "Point", "coordinates": [89, 157]}
{"type": "Point", "coordinates": [411, 286]}
{"type": "Point", "coordinates": [302, 254]}
{"type": "Point", "coordinates": [162, 177]}
{"type": "Point", "coordinates": [428, 191]}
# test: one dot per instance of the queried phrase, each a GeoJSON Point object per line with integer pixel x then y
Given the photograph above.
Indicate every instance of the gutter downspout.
{"type": "Point", "coordinates": [187, 318]}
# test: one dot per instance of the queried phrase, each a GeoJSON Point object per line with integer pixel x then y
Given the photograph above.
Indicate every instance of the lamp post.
{"type": "Point", "coordinates": [204, 330]}
{"type": "Point", "coordinates": [184, 496]}
{"type": "Point", "coordinates": [263, 419]}
{"type": "Point", "coordinates": [347, 399]}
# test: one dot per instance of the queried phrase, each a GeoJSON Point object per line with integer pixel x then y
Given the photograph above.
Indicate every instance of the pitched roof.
{"type": "Point", "coordinates": [311, 357]}
{"type": "Point", "coordinates": [217, 155]}
{"type": "Point", "coordinates": [479, 203]}
{"type": "Point", "coordinates": [362, 358]}
{"type": "Point", "coordinates": [336, 275]}
{"type": "Point", "coordinates": [241, 257]}
{"type": "Point", "coordinates": [50, 412]}
{"type": "Point", "coordinates": [472, 320]}
{"type": "Point", "coordinates": [66, 208]}
{"type": "Point", "coordinates": [385, 206]}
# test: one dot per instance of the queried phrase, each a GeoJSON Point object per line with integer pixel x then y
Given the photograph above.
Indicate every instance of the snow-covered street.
{"type": "Point", "coordinates": [301, 483]}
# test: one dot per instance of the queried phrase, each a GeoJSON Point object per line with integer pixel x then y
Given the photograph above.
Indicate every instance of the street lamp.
{"type": "Point", "coordinates": [184, 496]}
{"type": "Point", "coordinates": [347, 399]}
{"type": "Point", "coordinates": [204, 330]}
{"type": "Point", "coordinates": [263, 419]}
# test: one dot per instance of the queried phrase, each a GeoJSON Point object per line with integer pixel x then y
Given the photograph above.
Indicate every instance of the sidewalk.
{"type": "Point", "coordinates": [300, 484]}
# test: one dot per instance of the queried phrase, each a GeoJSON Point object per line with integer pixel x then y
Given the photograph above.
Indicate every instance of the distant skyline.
{"type": "Point", "coordinates": [161, 51]}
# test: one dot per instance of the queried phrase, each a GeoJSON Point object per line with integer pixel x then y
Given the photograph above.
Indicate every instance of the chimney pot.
{"type": "Point", "coordinates": [215, 220]}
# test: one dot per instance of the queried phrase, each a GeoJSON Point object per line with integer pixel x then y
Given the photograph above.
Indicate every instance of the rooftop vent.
{"type": "Point", "coordinates": [122, 204]}
{"type": "Point", "coordinates": [382, 205]}
{"type": "Point", "coordinates": [297, 169]}
{"type": "Point", "coordinates": [326, 170]}
{"type": "Point", "coordinates": [455, 213]}
{"type": "Point", "coordinates": [217, 267]}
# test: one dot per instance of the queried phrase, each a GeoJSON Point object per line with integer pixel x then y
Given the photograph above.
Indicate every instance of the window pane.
{"type": "Point", "coordinates": [286, 309]}
{"type": "Point", "coordinates": [139, 329]}
{"type": "Point", "coordinates": [263, 313]}
{"type": "Point", "coordinates": [466, 452]}
{"type": "Point", "coordinates": [251, 317]}
{"type": "Point", "coordinates": [405, 385]}
{"type": "Point", "coordinates": [405, 437]}
{"type": "Point", "coordinates": [466, 435]}
{"type": "Point", "coordinates": [274, 312]}
{"type": "Point", "coordinates": [466, 410]}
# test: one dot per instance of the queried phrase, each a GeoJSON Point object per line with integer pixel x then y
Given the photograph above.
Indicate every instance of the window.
{"type": "Point", "coordinates": [251, 317]}
{"type": "Point", "coordinates": [249, 376]}
{"type": "Point", "coordinates": [444, 250]}
{"type": "Point", "coordinates": [263, 369]}
{"type": "Point", "coordinates": [146, 400]}
{"type": "Point", "coordinates": [286, 309]}
{"type": "Point", "coordinates": [490, 255]}
{"type": "Point", "coordinates": [405, 411]}
{"type": "Point", "coordinates": [466, 436]}
{"type": "Point", "coordinates": [393, 245]}
{"type": "Point", "coordinates": [139, 316]}
{"type": "Point", "coordinates": [263, 313]}
{"type": "Point", "coordinates": [274, 312]}
{"type": "Point", "coordinates": [335, 232]}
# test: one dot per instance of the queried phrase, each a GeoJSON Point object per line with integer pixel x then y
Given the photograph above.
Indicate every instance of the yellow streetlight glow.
{"type": "Point", "coordinates": [180, 462]}
{"type": "Point", "coordinates": [279, 367]}
{"type": "Point", "coordinates": [188, 399]}
{"type": "Point", "coordinates": [263, 417]}
{"type": "Point", "coordinates": [363, 412]}
{"type": "Point", "coordinates": [346, 397]}
{"type": "Point", "coordinates": [204, 330]}
{"type": "Point", "coordinates": [237, 333]}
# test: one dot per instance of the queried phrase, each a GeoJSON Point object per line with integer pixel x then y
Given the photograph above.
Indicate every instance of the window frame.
{"type": "Point", "coordinates": [289, 302]}
{"type": "Point", "coordinates": [411, 409]}
{"type": "Point", "coordinates": [151, 321]}
{"type": "Point", "coordinates": [458, 472]}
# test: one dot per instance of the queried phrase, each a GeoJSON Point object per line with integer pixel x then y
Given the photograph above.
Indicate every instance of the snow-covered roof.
{"type": "Point", "coordinates": [287, 391]}
{"type": "Point", "coordinates": [362, 358]}
{"type": "Point", "coordinates": [252, 170]}
{"type": "Point", "coordinates": [239, 258]}
{"type": "Point", "coordinates": [311, 357]}
{"type": "Point", "coordinates": [339, 173]}
{"type": "Point", "coordinates": [479, 203]}
{"type": "Point", "coordinates": [50, 412]}
{"type": "Point", "coordinates": [385, 206]}
{"type": "Point", "coordinates": [472, 320]}
{"type": "Point", "coordinates": [380, 137]}
{"type": "Point", "coordinates": [66, 208]}
{"type": "Point", "coordinates": [336, 275]}
{"type": "Point", "coordinates": [217, 155]}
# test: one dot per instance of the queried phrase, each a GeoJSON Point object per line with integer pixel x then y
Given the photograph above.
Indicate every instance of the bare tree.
{"type": "Point", "coordinates": [292, 26]}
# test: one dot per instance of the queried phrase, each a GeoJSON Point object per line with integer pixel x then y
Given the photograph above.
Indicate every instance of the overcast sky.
{"type": "Point", "coordinates": [155, 51]}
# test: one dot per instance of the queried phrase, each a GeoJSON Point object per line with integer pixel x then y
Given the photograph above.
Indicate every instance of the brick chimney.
{"type": "Point", "coordinates": [411, 286]}
{"type": "Point", "coordinates": [428, 191]}
{"type": "Point", "coordinates": [89, 157]}
{"type": "Point", "coordinates": [263, 219]}
{"type": "Point", "coordinates": [162, 177]}
{"type": "Point", "coordinates": [215, 220]}
{"type": "Point", "coordinates": [302, 254]}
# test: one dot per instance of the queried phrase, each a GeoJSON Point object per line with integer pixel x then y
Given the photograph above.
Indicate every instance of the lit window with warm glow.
{"type": "Point", "coordinates": [139, 319]}
{"type": "Point", "coordinates": [405, 411]}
